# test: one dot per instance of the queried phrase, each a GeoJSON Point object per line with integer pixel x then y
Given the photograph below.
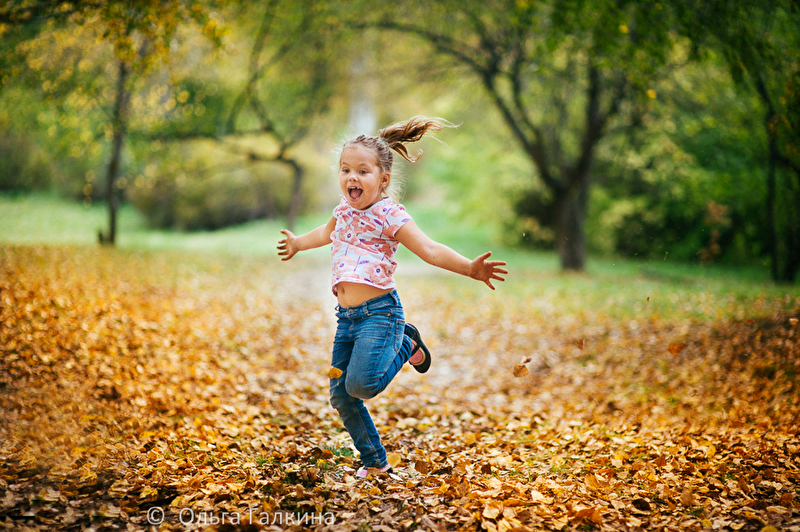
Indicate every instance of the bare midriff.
{"type": "Point", "coordinates": [353, 294]}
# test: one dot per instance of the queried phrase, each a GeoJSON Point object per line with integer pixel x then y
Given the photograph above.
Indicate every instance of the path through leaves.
{"type": "Point", "coordinates": [180, 392]}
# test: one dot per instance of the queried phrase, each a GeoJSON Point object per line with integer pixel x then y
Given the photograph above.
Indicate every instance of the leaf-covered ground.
{"type": "Point", "coordinates": [191, 393]}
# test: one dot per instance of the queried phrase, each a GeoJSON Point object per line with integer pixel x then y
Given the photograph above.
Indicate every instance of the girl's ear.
{"type": "Point", "coordinates": [386, 179]}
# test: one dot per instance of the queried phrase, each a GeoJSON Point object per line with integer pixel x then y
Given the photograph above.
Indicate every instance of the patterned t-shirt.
{"type": "Point", "coordinates": [364, 245]}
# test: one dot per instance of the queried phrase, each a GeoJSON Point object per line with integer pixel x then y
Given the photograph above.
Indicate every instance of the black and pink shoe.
{"type": "Point", "coordinates": [420, 358]}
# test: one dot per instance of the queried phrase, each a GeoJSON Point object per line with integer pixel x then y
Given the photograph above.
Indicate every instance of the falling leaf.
{"type": "Point", "coordinates": [470, 438]}
{"type": "Point", "coordinates": [676, 348]}
{"type": "Point", "coordinates": [520, 370]}
{"type": "Point", "coordinates": [793, 321]}
{"type": "Point", "coordinates": [334, 373]}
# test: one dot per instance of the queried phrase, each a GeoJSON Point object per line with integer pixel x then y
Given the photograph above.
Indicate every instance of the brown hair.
{"type": "Point", "coordinates": [395, 137]}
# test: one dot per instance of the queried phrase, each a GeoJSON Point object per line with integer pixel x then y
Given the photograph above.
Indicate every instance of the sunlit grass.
{"type": "Point", "coordinates": [622, 289]}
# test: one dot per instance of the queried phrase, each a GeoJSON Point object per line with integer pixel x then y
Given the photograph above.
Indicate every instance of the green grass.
{"type": "Point", "coordinates": [624, 289]}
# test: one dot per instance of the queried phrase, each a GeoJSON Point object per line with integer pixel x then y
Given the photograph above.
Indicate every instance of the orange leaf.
{"type": "Point", "coordinates": [334, 373]}
{"type": "Point", "coordinates": [520, 370]}
{"type": "Point", "coordinates": [676, 348]}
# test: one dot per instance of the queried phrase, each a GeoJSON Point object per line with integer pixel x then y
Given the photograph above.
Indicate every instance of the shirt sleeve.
{"type": "Point", "coordinates": [396, 217]}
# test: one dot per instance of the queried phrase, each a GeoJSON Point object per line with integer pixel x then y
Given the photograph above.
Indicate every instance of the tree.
{"type": "Point", "coordinates": [139, 33]}
{"type": "Point", "coordinates": [562, 74]}
{"type": "Point", "coordinates": [759, 41]}
{"type": "Point", "coordinates": [290, 70]}
{"type": "Point", "coordinates": [288, 85]}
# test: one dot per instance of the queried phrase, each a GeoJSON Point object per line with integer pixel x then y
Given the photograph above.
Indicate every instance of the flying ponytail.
{"type": "Point", "coordinates": [412, 130]}
{"type": "Point", "coordinates": [395, 137]}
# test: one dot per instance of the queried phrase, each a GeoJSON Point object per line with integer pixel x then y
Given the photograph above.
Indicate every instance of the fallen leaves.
{"type": "Point", "coordinates": [133, 381]}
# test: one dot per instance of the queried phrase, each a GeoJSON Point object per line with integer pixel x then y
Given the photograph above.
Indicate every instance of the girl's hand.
{"type": "Point", "coordinates": [481, 270]}
{"type": "Point", "coordinates": [287, 247]}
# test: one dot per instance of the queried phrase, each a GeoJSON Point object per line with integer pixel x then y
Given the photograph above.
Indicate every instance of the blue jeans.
{"type": "Point", "coordinates": [370, 348]}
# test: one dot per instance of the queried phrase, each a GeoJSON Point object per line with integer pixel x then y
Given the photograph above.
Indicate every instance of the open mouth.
{"type": "Point", "coordinates": [354, 193]}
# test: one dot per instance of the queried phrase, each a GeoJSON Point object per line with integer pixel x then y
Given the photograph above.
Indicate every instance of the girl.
{"type": "Point", "coordinates": [372, 339]}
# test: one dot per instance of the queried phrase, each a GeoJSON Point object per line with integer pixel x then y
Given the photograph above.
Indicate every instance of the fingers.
{"type": "Point", "coordinates": [284, 248]}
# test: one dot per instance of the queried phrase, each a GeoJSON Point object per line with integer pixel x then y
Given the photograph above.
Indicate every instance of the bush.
{"type": "Point", "coordinates": [198, 199]}
{"type": "Point", "coordinates": [23, 166]}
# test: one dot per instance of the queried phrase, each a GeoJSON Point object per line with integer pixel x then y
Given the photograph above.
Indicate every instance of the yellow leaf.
{"type": "Point", "coordinates": [393, 459]}
{"type": "Point", "coordinates": [469, 438]}
{"type": "Point", "coordinates": [148, 493]}
{"type": "Point", "coordinates": [334, 373]}
{"type": "Point", "coordinates": [520, 370]}
{"type": "Point", "coordinates": [375, 491]}
{"type": "Point", "coordinates": [686, 497]}
{"type": "Point", "coordinates": [711, 452]}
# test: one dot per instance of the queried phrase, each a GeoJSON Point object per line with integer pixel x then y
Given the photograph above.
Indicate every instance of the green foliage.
{"type": "Point", "coordinates": [200, 188]}
{"type": "Point", "coordinates": [23, 167]}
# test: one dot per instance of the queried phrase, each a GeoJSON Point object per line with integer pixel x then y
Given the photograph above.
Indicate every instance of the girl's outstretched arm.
{"type": "Point", "coordinates": [289, 246]}
{"type": "Point", "coordinates": [442, 256]}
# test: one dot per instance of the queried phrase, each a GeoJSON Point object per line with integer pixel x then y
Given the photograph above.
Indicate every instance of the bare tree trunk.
{"type": "Point", "coordinates": [570, 212]}
{"type": "Point", "coordinates": [119, 121]}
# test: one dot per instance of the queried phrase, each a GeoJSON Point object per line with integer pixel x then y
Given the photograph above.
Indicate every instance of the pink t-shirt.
{"type": "Point", "coordinates": [364, 245]}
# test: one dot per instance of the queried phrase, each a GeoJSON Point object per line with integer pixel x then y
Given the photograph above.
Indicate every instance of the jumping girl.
{"type": "Point", "coordinates": [372, 339]}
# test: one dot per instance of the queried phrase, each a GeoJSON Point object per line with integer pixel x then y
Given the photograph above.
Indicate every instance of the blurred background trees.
{"type": "Point", "coordinates": [645, 129]}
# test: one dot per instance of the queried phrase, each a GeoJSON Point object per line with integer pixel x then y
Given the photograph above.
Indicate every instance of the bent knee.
{"type": "Point", "coordinates": [361, 389]}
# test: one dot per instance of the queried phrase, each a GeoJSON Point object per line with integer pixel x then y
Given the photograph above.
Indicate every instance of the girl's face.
{"type": "Point", "coordinates": [361, 179]}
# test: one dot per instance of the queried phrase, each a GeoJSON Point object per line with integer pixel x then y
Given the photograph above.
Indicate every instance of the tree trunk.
{"type": "Point", "coordinates": [570, 211]}
{"type": "Point", "coordinates": [119, 121]}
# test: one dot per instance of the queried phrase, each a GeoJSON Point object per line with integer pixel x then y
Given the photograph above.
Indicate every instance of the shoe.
{"type": "Point", "coordinates": [425, 363]}
{"type": "Point", "coordinates": [365, 471]}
